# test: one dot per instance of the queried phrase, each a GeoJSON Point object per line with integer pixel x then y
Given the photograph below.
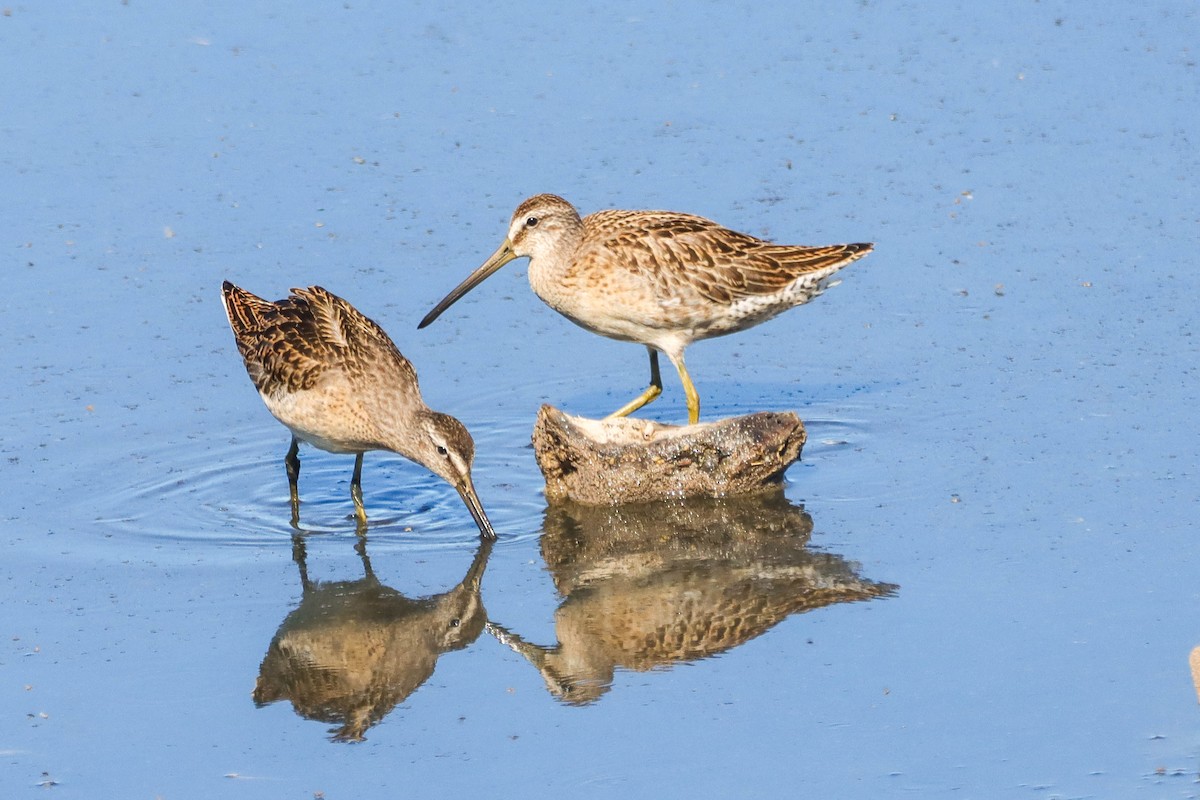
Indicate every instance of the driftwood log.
{"type": "Point", "coordinates": [622, 460]}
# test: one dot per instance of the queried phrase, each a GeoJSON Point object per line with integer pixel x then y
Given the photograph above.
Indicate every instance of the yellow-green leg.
{"type": "Point", "coordinates": [652, 391]}
{"type": "Point", "coordinates": [356, 490]}
{"type": "Point", "coordinates": [689, 389]}
{"type": "Point", "coordinates": [292, 462]}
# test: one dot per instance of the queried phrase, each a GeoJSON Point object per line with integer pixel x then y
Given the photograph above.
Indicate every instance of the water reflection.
{"type": "Point", "coordinates": [353, 650]}
{"type": "Point", "coordinates": [647, 586]}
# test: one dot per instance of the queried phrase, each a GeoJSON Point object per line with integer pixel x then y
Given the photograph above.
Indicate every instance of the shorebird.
{"type": "Point", "coordinates": [335, 380]}
{"type": "Point", "coordinates": [660, 278]}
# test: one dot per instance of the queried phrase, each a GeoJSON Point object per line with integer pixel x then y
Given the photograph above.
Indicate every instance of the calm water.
{"type": "Point", "coordinates": [980, 581]}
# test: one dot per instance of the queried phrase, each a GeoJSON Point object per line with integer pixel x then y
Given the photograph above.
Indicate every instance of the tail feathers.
{"type": "Point", "coordinates": [816, 259]}
{"type": "Point", "coordinates": [245, 310]}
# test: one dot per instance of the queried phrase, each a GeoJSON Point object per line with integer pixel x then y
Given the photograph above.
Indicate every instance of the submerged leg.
{"type": "Point", "coordinates": [652, 391]}
{"type": "Point", "coordinates": [689, 389]}
{"type": "Point", "coordinates": [356, 490]}
{"type": "Point", "coordinates": [292, 462]}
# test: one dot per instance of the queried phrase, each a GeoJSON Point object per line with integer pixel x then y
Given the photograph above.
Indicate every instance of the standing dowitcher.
{"type": "Point", "coordinates": [660, 278]}
{"type": "Point", "coordinates": [337, 381]}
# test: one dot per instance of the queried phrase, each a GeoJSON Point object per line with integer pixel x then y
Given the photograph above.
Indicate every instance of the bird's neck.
{"type": "Point", "coordinates": [550, 266]}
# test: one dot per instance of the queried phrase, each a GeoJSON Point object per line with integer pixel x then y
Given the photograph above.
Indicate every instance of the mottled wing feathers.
{"type": "Point", "coordinates": [685, 253]}
{"type": "Point", "coordinates": [766, 268]}
{"type": "Point", "coordinates": [342, 327]}
{"type": "Point", "coordinates": [290, 344]}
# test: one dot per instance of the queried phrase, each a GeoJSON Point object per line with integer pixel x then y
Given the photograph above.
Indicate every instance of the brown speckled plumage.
{"type": "Point", "coordinates": [337, 381]}
{"type": "Point", "coordinates": [694, 259]}
{"type": "Point", "coordinates": [660, 278]}
{"type": "Point", "coordinates": [288, 345]}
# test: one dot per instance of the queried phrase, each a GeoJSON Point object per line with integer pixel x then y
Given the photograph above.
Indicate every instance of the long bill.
{"type": "Point", "coordinates": [466, 490]}
{"type": "Point", "coordinates": [497, 260]}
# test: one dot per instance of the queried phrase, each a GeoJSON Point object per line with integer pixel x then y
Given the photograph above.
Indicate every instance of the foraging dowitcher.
{"type": "Point", "coordinates": [337, 381]}
{"type": "Point", "coordinates": [660, 278]}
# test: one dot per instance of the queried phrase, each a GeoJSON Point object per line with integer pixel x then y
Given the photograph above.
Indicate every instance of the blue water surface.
{"type": "Point", "coordinates": [980, 581]}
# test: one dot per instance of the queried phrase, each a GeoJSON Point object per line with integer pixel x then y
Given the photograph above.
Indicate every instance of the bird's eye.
{"type": "Point", "coordinates": [442, 451]}
{"type": "Point", "coordinates": [454, 623]}
{"type": "Point", "coordinates": [531, 222]}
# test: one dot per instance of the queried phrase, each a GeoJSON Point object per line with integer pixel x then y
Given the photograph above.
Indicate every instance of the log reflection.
{"type": "Point", "coordinates": [353, 650]}
{"type": "Point", "coordinates": [648, 586]}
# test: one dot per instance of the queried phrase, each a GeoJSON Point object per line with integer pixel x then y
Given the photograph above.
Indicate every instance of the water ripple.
{"type": "Point", "coordinates": [233, 492]}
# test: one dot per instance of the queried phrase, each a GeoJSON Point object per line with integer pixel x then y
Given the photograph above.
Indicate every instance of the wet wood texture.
{"type": "Point", "coordinates": [622, 460]}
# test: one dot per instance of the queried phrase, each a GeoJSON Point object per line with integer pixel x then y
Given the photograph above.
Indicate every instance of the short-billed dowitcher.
{"type": "Point", "coordinates": [660, 278]}
{"type": "Point", "coordinates": [337, 381]}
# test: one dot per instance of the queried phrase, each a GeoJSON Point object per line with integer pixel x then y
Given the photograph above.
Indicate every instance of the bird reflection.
{"type": "Point", "coordinates": [353, 650]}
{"type": "Point", "coordinates": [650, 585]}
